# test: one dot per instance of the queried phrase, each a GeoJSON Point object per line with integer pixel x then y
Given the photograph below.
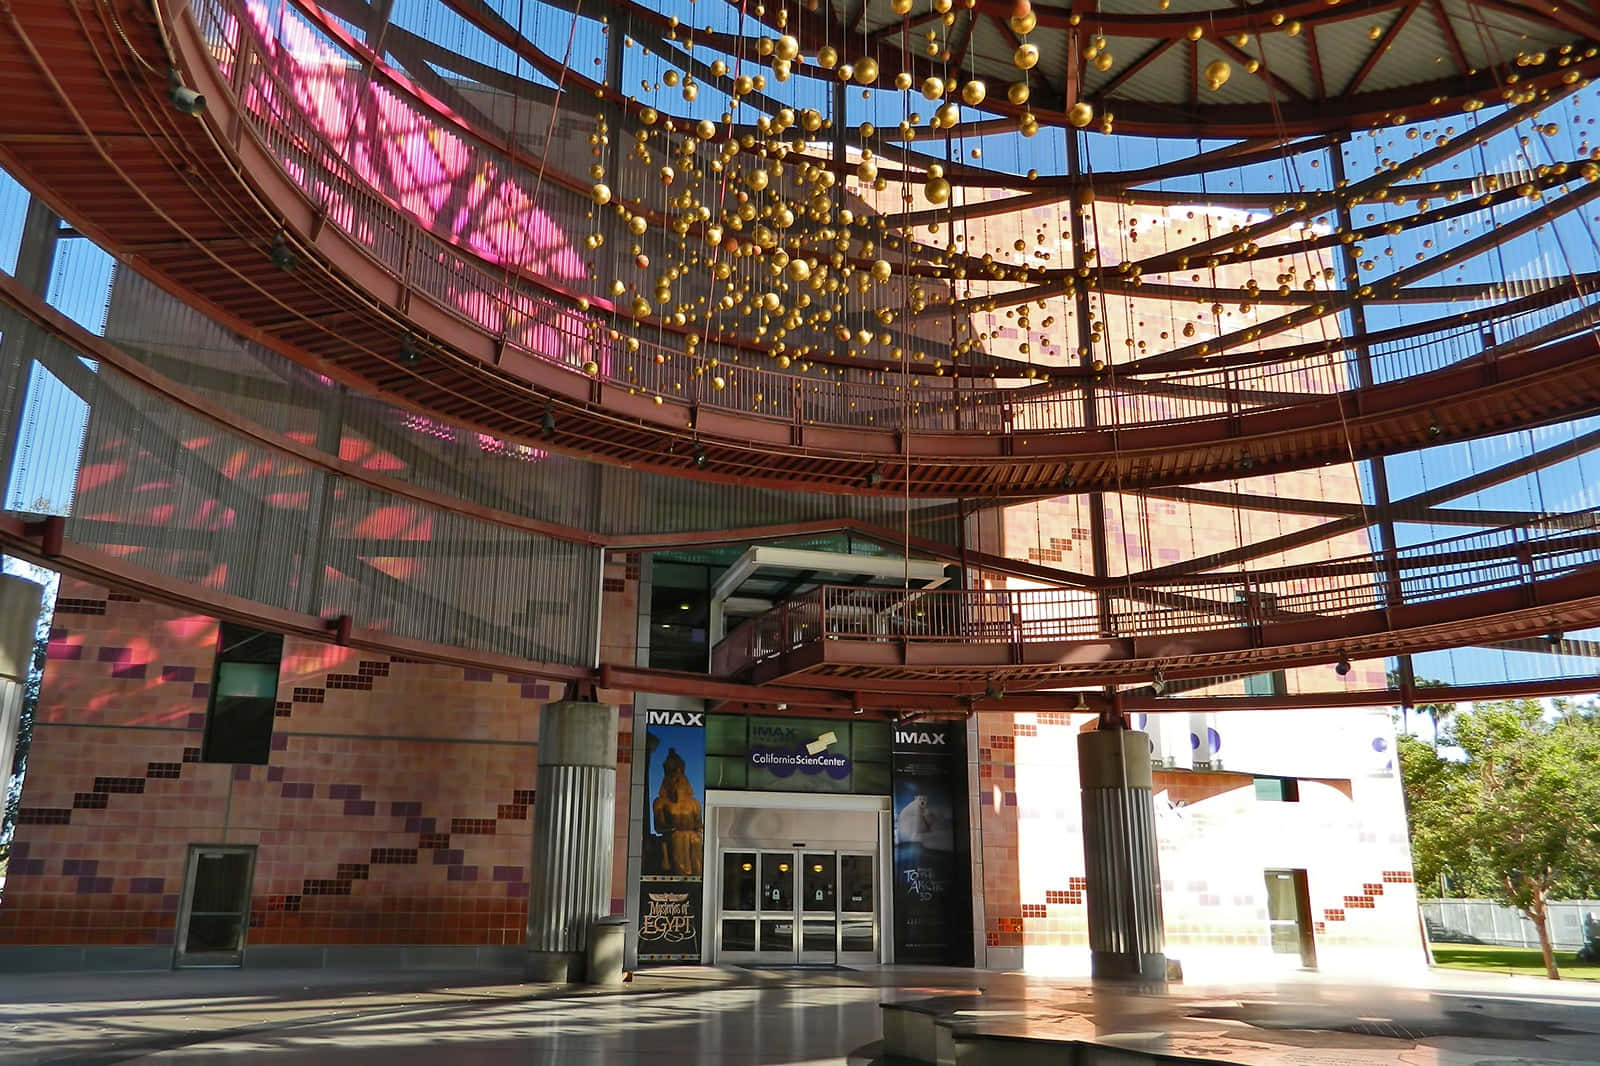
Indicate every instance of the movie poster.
{"type": "Point", "coordinates": [672, 864]}
{"type": "Point", "coordinates": [932, 893]}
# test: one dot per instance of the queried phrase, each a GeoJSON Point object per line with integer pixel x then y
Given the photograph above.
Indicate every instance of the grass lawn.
{"type": "Point", "coordinates": [1487, 958]}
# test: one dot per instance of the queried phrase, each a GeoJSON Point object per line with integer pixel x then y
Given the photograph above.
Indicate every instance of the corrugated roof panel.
{"type": "Point", "coordinates": [1344, 46]}
{"type": "Point", "coordinates": [1419, 53]}
{"type": "Point", "coordinates": [1124, 52]}
{"type": "Point", "coordinates": [1290, 59]}
{"type": "Point", "coordinates": [1240, 88]}
{"type": "Point", "coordinates": [1164, 81]}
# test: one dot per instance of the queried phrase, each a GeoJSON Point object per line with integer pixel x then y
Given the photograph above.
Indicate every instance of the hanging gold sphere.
{"type": "Point", "coordinates": [1026, 57]}
{"type": "Point", "coordinates": [933, 88]}
{"type": "Point", "coordinates": [947, 115]}
{"type": "Point", "coordinates": [866, 70]}
{"type": "Point", "coordinates": [591, 368]}
{"type": "Point", "coordinates": [1080, 115]}
{"type": "Point", "coordinates": [937, 190]}
{"type": "Point", "coordinates": [757, 179]}
{"type": "Point", "coordinates": [900, 7]}
{"type": "Point", "coordinates": [786, 47]}
{"type": "Point", "coordinates": [637, 225]}
{"type": "Point", "coordinates": [600, 193]}
{"type": "Point", "coordinates": [719, 383]}
{"type": "Point", "coordinates": [827, 57]}
{"type": "Point", "coordinates": [1103, 61]}
{"type": "Point", "coordinates": [705, 129]}
{"type": "Point", "coordinates": [881, 270]}
{"type": "Point", "coordinates": [902, 81]}
{"type": "Point", "coordinates": [1017, 93]}
{"type": "Point", "coordinates": [648, 116]}
{"type": "Point", "coordinates": [868, 170]}
{"type": "Point", "coordinates": [1217, 73]}
{"type": "Point", "coordinates": [1023, 24]}
{"type": "Point", "coordinates": [783, 362]}
{"type": "Point", "coordinates": [973, 93]}
{"type": "Point", "coordinates": [799, 270]}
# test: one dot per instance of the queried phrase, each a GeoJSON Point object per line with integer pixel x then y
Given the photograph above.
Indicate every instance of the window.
{"type": "Point", "coordinates": [1271, 684]}
{"type": "Point", "coordinates": [1278, 789]}
{"type": "Point", "coordinates": [244, 693]}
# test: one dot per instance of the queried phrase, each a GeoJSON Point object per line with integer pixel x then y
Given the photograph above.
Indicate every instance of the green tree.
{"type": "Point", "coordinates": [1517, 817]}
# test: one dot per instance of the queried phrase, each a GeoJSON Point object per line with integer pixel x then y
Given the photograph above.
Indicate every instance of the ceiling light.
{"type": "Point", "coordinates": [409, 352]}
{"type": "Point", "coordinates": [1158, 684]}
{"type": "Point", "coordinates": [184, 99]}
{"type": "Point", "coordinates": [1342, 667]}
{"type": "Point", "coordinates": [1555, 636]}
{"type": "Point", "coordinates": [547, 424]}
{"type": "Point", "coordinates": [281, 256]}
{"type": "Point", "coordinates": [874, 477]}
{"type": "Point", "coordinates": [699, 457]}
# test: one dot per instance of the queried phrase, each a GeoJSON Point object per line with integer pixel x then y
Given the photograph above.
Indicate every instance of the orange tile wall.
{"type": "Point", "coordinates": [396, 806]}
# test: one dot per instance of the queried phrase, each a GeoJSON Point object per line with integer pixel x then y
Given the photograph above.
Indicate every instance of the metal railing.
{"type": "Point", "coordinates": [533, 315]}
{"type": "Point", "coordinates": [1507, 557]}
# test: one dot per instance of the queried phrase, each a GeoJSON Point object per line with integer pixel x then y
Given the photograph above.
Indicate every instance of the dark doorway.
{"type": "Point", "coordinates": [215, 912]}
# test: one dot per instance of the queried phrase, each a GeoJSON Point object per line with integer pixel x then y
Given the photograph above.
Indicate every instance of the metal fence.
{"type": "Point", "coordinates": [1483, 921]}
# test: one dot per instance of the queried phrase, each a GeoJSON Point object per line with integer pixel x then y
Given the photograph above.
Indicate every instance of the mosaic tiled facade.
{"type": "Point", "coordinates": [396, 806]}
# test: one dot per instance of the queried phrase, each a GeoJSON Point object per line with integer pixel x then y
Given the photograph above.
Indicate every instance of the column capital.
{"type": "Point", "coordinates": [578, 733]}
{"type": "Point", "coordinates": [1114, 758]}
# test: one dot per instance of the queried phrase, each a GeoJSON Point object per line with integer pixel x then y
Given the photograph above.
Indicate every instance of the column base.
{"type": "Point", "coordinates": [554, 967]}
{"type": "Point", "coordinates": [1116, 966]}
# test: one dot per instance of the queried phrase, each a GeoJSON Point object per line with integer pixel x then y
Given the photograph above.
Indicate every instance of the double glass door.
{"type": "Point", "coordinates": [796, 907]}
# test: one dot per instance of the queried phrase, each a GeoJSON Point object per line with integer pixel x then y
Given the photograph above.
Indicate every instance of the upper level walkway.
{"type": "Point", "coordinates": [1480, 587]}
{"type": "Point", "coordinates": [386, 293]}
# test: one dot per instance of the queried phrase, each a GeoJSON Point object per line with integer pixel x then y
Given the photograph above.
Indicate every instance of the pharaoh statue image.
{"type": "Point", "coordinates": [678, 820]}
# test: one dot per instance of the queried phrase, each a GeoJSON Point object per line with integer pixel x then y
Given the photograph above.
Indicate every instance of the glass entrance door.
{"type": "Point", "coordinates": [797, 907]}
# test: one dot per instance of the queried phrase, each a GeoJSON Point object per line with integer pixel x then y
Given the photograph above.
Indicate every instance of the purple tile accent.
{"type": "Point", "coordinates": [26, 868]}
{"type": "Point", "coordinates": [298, 790]}
{"type": "Point", "coordinates": [115, 655]}
{"type": "Point", "coordinates": [201, 691]}
{"type": "Point", "coordinates": [148, 886]}
{"type": "Point", "coordinates": [64, 652]}
{"type": "Point", "coordinates": [619, 905]}
{"type": "Point", "coordinates": [533, 692]}
{"type": "Point", "coordinates": [280, 743]}
{"type": "Point", "coordinates": [1011, 799]}
{"type": "Point", "coordinates": [93, 885]}
{"type": "Point", "coordinates": [130, 671]}
{"type": "Point", "coordinates": [413, 825]}
{"type": "Point", "coordinates": [447, 857]}
{"type": "Point", "coordinates": [362, 807]}
{"type": "Point", "coordinates": [399, 809]}
{"type": "Point", "coordinates": [57, 632]}
{"type": "Point", "coordinates": [177, 673]}
{"type": "Point", "coordinates": [508, 873]}
{"type": "Point", "coordinates": [80, 867]}
{"type": "Point", "coordinates": [169, 903]}
{"type": "Point", "coordinates": [20, 849]}
{"type": "Point", "coordinates": [344, 792]}
{"type": "Point", "coordinates": [196, 721]}
{"type": "Point", "coordinates": [274, 773]}
{"type": "Point", "coordinates": [164, 937]}
{"type": "Point", "coordinates": [241, 773]}
{"type": "Point", "coordinates": [470, 674]}
{"type": "Point", "coordinates": [428, 825]}
{"type": "Point", "coordinates": [517, 890]}
{"type": "Point", "coordinates": [462, 873]}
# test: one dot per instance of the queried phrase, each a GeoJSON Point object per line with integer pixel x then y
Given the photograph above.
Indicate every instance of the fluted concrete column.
{"type": "Point", "coordinates": [19, 621]}
{"type": "Point", "coordinates": [574, 814]}
{"type": "Point", "coordinates": [1126, 935]}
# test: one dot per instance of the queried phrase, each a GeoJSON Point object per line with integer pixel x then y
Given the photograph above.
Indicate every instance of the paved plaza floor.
{"type": "Point", "coordinates": [771, 1018]}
